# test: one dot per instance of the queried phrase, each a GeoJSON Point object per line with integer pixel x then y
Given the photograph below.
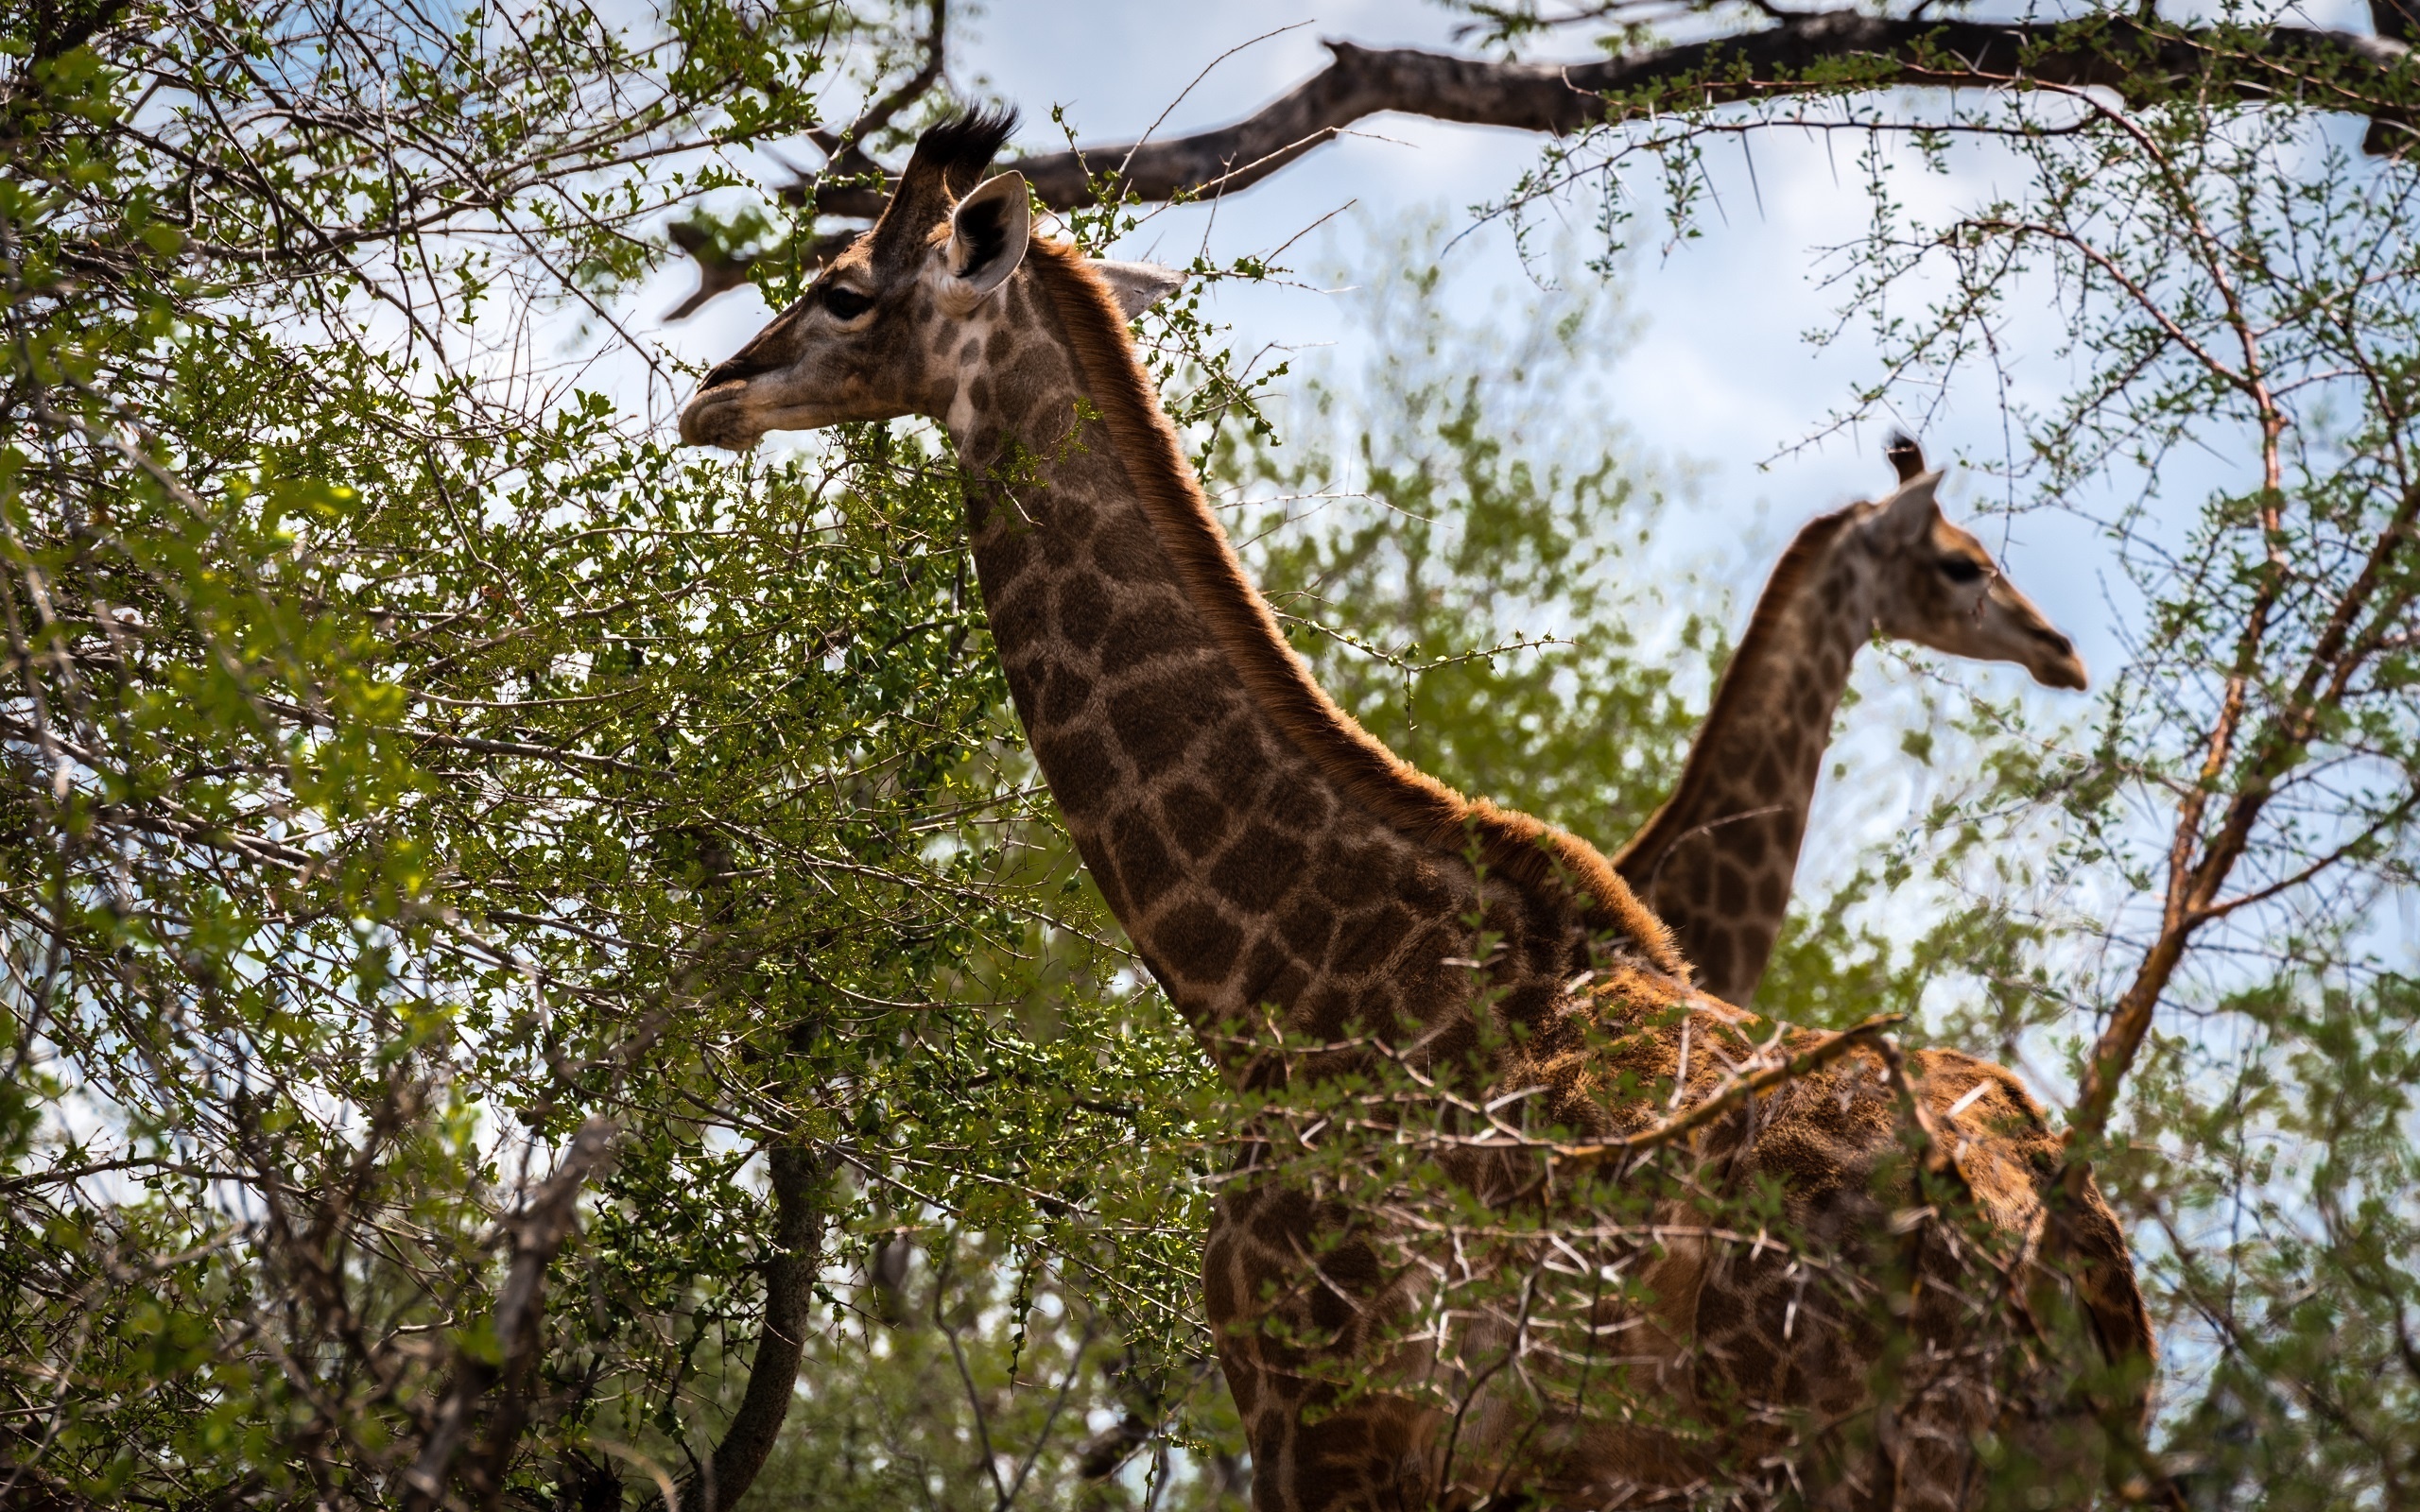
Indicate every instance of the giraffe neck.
{"type": "Point", "coordinates": [1716, 860]}
{"type": "Point", "coordinates": [1257, 845]}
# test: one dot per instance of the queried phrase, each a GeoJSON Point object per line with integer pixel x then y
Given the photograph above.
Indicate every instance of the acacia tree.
{"type": "Point", "coordinates": [478, 883]}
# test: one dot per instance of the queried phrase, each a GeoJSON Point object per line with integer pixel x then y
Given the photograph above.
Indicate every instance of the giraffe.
{"type": "Point", "coordinates": [1716, 862]}
{"type": "Point", "coordinates": [1272, 863]}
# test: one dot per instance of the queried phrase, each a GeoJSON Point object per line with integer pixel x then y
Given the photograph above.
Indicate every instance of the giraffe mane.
{"type": "Point", "coordinates": [1512, 845]}
{"type": "Point", "coordinates": [1813, 541]}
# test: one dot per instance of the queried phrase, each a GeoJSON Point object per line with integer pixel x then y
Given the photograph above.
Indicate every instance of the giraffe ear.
{"type": "Point", "coordinates": [988, 232]}
{"type": "Point", "coordinates": [1137, 285]}
{"type": "Point", "coordinates": [1911, 510]}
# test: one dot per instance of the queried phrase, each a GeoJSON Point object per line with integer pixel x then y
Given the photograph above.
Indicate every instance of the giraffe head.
{"type": "Point", "coordinates": [898, 324]}
{"type": "Point", "coordinates": [1934, 584]}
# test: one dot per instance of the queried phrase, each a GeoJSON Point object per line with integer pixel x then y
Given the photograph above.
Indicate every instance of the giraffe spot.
{"type": "Point", "coordinates": [1066, 694]}
{"type": "Point", "coordinates": [1324, 1483]}
{"type": "Point", "coordinates": [1245, 1383]}
{"type": "Point", "coordinates": [1379, 1010]}
{"type": "Point", "coordinates": [1283, 1220]}
{"type": "Point", "coordinates": [1453, 1045]}
{"type": "Point", "coordinates": [1145, 869]}
{"type": "Point", "coordinates": [996, 349]}
{"type": "Point", "coordinates": [1017, 616]}
{"type": "Point", "coordinates": [1218, 1288]}
{"type": "Point", "coordinates": [1371, 939]}
{"type": "Point", "coordinates": [1768, 779]}
{"type": "Point", "coordinates": [1308, 931]}
{"type": "Point", "coordinates": [1196, 819]}
{"type": "Point", "coordinates": [1348, 875]}
{"type": "Point", "coordinates": [1131, 556]}
{"type": "Point", "coordinates": [1731, 893]}
{"type": "Point", "coordinates": [1271, 975]}
{"type": "Point", "coordinates": [1104, 874]}
{"type": "Point", "coordinates": [1080, 770]}
{"type": "Point", "coordinates": [1059, 548]}
{"type": "Point", "coordinates": [1157, 722]}
{"type": "Point", "coordinates": [1007, 555]}
{"type": "Point", "coordinates": [1080, 602]}
{"type": "Point", "coordinates": [1345, 1435]}
{"type": "Point", "coordinates": [1299, 808]}
{"type": "Point", "coordinates": [1527, 1004]}
{"type": "Point", "coordinates": [978, 393]}
{"type": "Point", "coordinates": [1773, 893]}
{"type": "Point", "coordinates": [1261, 866]}
{"type": "Point", "coordinates": [1430, 986]}
{"type": "Point", "coordinates": [1147, 634]}
{"type": "Point", "coordinates": [1325, 1014]}
{"type": "Point", "coordinates": [1238, 764]}
{"type": "Point", "coordinates": [1334, 1312]}
{"type": "Point", "coordinates": [1718, 957]}
{"type": "Point", "coordinates": [1200, 942]}
{"type": "Point", "coordinates": [970, 351]}
{"type": "Point", "coordinates": [1072, 517]}
{"type": "Point", "coordinates": [1421, 884]}
{"type": "Point", "coordinates": [1755, 1365]}
{"type": "Point", "coordinates": [1538, 950]}
{"type": "Point", "coordinates": [1754, 842]}
{"type": "Point", "coordinates": [1699, 885]}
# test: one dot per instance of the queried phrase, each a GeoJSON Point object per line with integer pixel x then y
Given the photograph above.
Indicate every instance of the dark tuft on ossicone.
{"type": "Point", "coordinates": [949, 161]}
{"type": "Point", "coordinates": [963, 145]}
{"type": "Point", "coordinates": [1906, 455]}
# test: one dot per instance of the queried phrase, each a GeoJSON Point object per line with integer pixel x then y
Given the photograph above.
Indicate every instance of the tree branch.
{"type": "Point", "coordinates": [2193, 892]}
{"type": "Point", "coordinates": [537, 1230]}
{"type": "Point", "coordinates": [1803, 54]}
{"type": "Point", "coordinates": [1799, 56]}
{"type": "Point", "coordinates": [748, 1439]}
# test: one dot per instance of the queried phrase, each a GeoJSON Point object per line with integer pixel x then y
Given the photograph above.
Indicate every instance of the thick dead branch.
{"type": "Point", "coordinates": [2317, 67]}
{"type": "Point", "coordinates": [1800, 55]}
{"type": "Point", "coordinates": [537, 1230]}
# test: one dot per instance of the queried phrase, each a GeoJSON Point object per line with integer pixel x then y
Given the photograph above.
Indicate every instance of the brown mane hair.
{"type": "Point", "coordinates": [1806, 549]}
{"type": "Point", "coordinates": [1513, 845]}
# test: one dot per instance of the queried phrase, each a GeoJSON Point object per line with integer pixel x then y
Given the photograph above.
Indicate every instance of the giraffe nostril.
{"type": "Point", "coordinates": [2056, 642]}
{"type": "Point", "coordinates": [742, 364]}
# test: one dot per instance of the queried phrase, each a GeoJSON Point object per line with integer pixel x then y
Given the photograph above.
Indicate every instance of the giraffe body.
{"type": "Point", "coordinates": [1267, 858]}
{"type": "Point", "coordinates": [1716, 862]}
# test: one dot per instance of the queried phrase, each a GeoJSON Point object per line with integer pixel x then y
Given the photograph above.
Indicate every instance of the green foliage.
{"type": "Point", "coordinates": [410, 763]}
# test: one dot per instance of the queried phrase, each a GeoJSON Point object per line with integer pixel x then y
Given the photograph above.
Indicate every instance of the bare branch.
{"type": "Point", "coordinates": [537, 1230]}
{"type": "Point", "coordinates": [1361, 82]}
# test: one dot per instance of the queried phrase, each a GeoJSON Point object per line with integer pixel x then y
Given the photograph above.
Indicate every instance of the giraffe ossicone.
{"type": "Point", "coordinates": [1273, 864]}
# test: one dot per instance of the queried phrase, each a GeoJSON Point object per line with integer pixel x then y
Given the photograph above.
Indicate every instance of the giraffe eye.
{"type": "Point", "coordinates": [845, 303]}
{"type": "Point", "coordinates": [1960, 569]}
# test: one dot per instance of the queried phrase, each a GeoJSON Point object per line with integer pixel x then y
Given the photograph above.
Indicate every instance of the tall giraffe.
{"type": "Point", "coordinates": [1716, 862]}
{"type": "Point", "coordinates": [1266, 855]}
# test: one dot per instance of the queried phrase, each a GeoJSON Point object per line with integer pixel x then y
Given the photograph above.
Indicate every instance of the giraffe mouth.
{"type": "Point", "coordinates": [717, 416]}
